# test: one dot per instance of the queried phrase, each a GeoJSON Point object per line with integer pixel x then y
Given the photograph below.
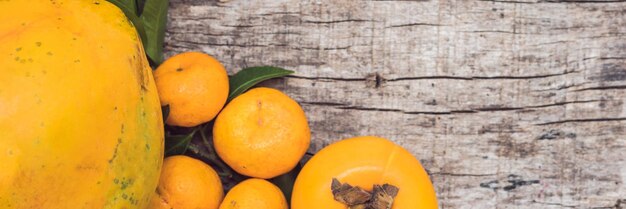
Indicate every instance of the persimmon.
{"type": "Point", "coordinates": [363, 162]}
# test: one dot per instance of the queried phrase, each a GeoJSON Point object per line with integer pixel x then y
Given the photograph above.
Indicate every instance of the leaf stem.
{"type": "Point", "coordinates": [206, 151]}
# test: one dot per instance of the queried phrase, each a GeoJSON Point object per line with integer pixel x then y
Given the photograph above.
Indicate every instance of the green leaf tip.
{"type": "Point", "coordinates": [154, 18]}
{"type": "Point", "coordinates": [150, 19]}
{"type": "Point", "coordinates": [177, 144]}
{"type": "Point", "coordinates": [248, 77]}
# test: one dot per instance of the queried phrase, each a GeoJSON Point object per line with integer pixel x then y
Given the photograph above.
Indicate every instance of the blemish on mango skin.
{"type": "Point", "coordinates": [125, 183]}
{"type": "Point", "coordinates": [119, 141]}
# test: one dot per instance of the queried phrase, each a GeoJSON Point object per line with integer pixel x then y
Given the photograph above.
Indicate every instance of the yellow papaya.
{"type": "Point", "coordinates": [80, 119]}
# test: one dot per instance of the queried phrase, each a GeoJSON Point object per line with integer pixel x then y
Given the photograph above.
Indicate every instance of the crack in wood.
{"type": "Point", "coordinates": [584, 120]}
{"type": "Point", "coordinates": [438, 77]}
{"type": "Point", "coordinates": [462, 174]}
{"type": "Point", "coordinates": [412, 25]}
{"type": "Point", "coordinates": [323, 103]}
{"type": "Point", "coordinates": [512, 2]}
{"type": "Point", "coordinates": [339, 21]}
{"type": "Point", "coordinates": [555, 1]}
{"type": "Point", "coordinates": [583, 1]}
{"type": "Point", "coordinates": [555, 204]}
{"type": "Point", "coordinates": [198, 43]}
{"type": "Point", "coordinates": [326, 48]}
{"type": "Point", "coordinates": [514, 182]}
{"type": "Point", "coordinates": [618, 87]}
{"type": "Point", "coordinates": [403, 111]}
{"type": "Point", "coordinates": [556, 134]}
{"type": "Point", "coordinates": [491, 31]}
{"type": "Point", "coordinates": [561, 87]}
{"type": "Point", "coordinates": [476, 110]}
{"type": "Point", "coordinates": [326, 78]}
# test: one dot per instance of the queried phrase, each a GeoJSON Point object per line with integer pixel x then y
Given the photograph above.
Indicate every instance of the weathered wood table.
{"type": "Point", "coordinates": [508, 104]}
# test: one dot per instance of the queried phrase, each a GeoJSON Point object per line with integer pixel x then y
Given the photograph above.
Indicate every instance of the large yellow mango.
{"type": "Point", "coordinates": [80, 121]}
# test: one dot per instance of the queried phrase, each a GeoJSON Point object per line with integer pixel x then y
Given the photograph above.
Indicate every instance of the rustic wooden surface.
{"type": "Point", "coordinates": [507, 103]}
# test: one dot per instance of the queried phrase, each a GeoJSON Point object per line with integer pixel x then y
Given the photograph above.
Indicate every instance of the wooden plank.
{"type": "Point", "coordinates": [508, 104]}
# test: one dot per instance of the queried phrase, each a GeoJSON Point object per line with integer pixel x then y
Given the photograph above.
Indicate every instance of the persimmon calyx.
{"type": "Point", "coordinates": [356, 197]}
{"type": "Point", "coordinates": [349, 195]}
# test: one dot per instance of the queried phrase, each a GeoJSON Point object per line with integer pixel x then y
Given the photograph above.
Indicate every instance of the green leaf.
{"type": "Point", "coordinates": [248, 77]}
{"type": "Point", "coordinates": [285, 182]}
{"type": "Point", "coordinates": [177, 144]}
{"type": "Point", "coordinates": [154, 17]}
{"type": "Point", "coordinates": [129, 7]}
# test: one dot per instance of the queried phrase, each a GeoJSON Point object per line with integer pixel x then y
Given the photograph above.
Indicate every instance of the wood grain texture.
{"type": "Point", "coordinates": [508, 104]}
